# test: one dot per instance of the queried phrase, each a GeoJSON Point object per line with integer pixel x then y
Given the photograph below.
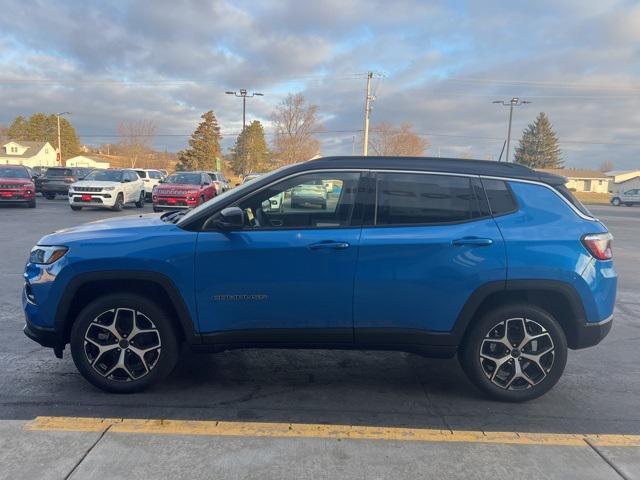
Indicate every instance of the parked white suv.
{"type": "Point", "coordinates": [107, 188]}
{"type": "Point", "coordinates": [151, 179]}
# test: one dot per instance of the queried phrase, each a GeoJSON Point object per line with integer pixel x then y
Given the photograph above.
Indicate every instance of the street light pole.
{"type": "Point", "coordinates": [243, 93]}
{"type": "Point", "coordinates": [59, 142]}
{"type": "Point", "coordinates": [514, 102]}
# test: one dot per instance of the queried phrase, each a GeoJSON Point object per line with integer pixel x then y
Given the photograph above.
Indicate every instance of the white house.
{"type": "Point", "coordinates": [582, 180]}
{"type": "Point", "coordinates": [86, 161]}
{"type": "Point", "coordinates": [30, 154]}
{"type": "Point", "coordinates": [623, 180]}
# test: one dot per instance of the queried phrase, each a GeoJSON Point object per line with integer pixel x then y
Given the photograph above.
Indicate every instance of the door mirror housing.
{"type": "Point", "coordinates": [231, 218]}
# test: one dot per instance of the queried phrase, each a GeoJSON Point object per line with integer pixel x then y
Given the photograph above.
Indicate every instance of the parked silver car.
{"type": "Point", "coordinates": [628, 198]}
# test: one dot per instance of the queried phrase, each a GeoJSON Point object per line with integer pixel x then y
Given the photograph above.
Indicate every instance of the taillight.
{"type": "Point", "coordinates": [599, 245]}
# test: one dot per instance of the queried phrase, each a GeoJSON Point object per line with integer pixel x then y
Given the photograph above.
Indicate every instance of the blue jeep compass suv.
{"type": "Point", "coordinates": [494, 262]}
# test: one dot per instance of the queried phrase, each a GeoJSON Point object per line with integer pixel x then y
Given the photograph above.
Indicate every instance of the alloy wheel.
{"type": "Point", "coordinates": [517, 354]}
{"type": "Point", "coordinates": [122, 344]}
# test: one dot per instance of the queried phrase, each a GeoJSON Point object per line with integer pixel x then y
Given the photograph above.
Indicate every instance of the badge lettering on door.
{"type": "Point", "coordinates": [235, 298]}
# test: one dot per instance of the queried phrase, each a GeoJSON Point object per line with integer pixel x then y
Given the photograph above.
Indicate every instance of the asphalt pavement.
{"type": "Point", "coordinates": [598, 394]}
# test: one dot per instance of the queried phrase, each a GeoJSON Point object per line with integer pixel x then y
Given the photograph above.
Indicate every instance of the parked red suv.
{"type": "Point", "coordinates": [16, 185]}
{"type": "Point", "coordinates": [183, 190]}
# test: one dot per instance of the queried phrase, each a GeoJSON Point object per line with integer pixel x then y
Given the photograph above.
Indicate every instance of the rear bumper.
{"type": "Point", "coordinates": [590, 334]}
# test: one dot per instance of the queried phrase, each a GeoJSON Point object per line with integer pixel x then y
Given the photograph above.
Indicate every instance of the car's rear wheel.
{"type": "Point", "coordinates": [515, 353]}
{"type": "Point", "coordinates": [119, 203]}
{"type": "Point", "coordinates": [123, 343]}
{"type": "Point", "coordinates": [49, 196]}
{"type": "Point", "coordinates": [140, 202]}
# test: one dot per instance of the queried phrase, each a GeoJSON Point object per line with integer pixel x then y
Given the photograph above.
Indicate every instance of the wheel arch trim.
{"type": "Point", "coordinates": [175, 298]}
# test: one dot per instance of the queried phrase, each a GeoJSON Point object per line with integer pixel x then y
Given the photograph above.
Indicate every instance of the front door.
{"type": "Point", "coordinates": [432, 243]}
{"type": "Point", "coordinates": [288, 275]}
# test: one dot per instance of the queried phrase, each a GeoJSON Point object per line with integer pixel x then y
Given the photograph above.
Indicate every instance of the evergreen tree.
{"type": "Point", "coordinates": [204, 146]}
{"type": "Point", "coordinates": [539, 145]}
{"type": "Point", "coordinates": [250, 153]}
{"type": "Point", "coordinates": [44, 128]}
{"type": "Point", "coordinates": [18, 129]}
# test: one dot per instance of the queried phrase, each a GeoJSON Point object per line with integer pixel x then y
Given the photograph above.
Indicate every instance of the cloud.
{"type": "Point", "coordinates": [444, 62]}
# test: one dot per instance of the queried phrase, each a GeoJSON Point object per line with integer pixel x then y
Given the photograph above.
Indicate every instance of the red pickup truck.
{"type": "Point", "coordinates": [183, 190]}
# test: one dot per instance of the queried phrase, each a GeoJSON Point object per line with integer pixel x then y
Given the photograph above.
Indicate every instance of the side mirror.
{"type": "Point", "coordinates": [161, 180]}
{"type": "Point", "coordinates": [231, 218]}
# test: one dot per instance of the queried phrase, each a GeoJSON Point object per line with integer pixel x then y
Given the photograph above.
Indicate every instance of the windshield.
{"type": "Point", "coordinates": [239, 190]}
{"type": "Point", "coordinates": [6, 172]}
{"type": "Point", "coordinates": [184, 178]}
{"type": "Point", "coordinates": [105, 176]}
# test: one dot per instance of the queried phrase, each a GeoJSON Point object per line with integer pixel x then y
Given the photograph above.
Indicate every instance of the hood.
{"type": "Point", "coordinates": [177, 187]}
{"type": "Point", "coordinates": [136, 226]}
{"type": "Point", "coordinates": [92, 183]}
{"type": "Point", "coordinates": [15, 181]}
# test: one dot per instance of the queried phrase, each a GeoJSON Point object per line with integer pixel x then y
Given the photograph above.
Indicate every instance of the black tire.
{"type": "Point", "coordinates": [119, 203]}
{"type": "Point", "coordinates": [140, 202]}
{"type": "Point", "coordinates": [76, 208]}
{"type": "Point", "coordinates": [628, 204]}
{"type": "Point", "coordinates": [32, 203]}
{"type": "Point", "coordinates": [156, 209]}
{"type": "Point", "coordinates": [202, 200]}
{"type": "Point", "coordinates": [164, 362]}
{"type": "Point", "coordinates": [615, 201]}
{"type": "Point", "coordinates": [492, 324]}
{"type": "Point", "coordinates": [49, 196]}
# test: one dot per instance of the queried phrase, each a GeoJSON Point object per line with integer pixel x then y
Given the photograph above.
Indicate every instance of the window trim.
{"type": "Point", "coordinates": [358, 200]}
{"type": "Point", "coordinates": [471, 177]}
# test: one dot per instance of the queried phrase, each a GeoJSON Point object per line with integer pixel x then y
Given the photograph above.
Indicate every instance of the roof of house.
{"type": "Point", "coordinates": [32, 148]}
{"type": "Point", "coordinates": [615, 173]}
{"type": "Point", "coordinates": [574, 172]}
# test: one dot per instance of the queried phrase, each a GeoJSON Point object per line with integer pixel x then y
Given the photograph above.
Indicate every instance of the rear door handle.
{"type": "Point", "coordinates": [329, 244]}
{"type": "Point", "coordinates": [472, 241]}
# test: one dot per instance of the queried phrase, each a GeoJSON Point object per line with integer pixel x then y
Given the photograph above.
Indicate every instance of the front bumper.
{"type": "Point", "coordinates": [12, 196]}
{"type": "Point", "coordinates": [590, 334]}
{"type": "Point", "coordinates": [47, 337]}
{"type": "Point", "coordinates": [107, 199]}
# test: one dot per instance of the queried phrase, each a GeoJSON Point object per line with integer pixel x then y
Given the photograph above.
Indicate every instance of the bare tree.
{"type": "Point", "coordinates": [136, 139]}
{"type": "Point", "coordinates": [397, 141]}
{"type": "Point", "coordinates": [606, 166]}
{"type": "Point", "coordinates": [295, 124]}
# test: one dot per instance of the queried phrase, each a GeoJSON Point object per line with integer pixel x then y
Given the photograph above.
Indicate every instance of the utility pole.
{"type": "Point", "coordinates": [514, 102]}
{"type": "Point", "coordinates": [242, 93]}
{"type": "Point", "coordinates": [367, 111]}
{"type": "Point", "coordinates": [59, 142]}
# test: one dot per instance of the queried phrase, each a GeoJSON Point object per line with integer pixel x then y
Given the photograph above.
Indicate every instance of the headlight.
{"type": "Point", "coordinates": [108, 189]}
{"type": "Point", "coordinates": [46, 255]}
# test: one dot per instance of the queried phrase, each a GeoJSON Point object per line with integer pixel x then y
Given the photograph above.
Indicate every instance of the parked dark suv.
{"type": "Point", "coordinates": [492, 262]}
{"type": "Point", "coordinates": [56, 180]}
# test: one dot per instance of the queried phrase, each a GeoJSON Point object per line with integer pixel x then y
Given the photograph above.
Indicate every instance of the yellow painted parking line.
{"type": "Point", "coordinates": [306, 430]}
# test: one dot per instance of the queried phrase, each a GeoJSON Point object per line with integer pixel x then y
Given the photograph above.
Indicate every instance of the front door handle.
{"type": "Point", "coordinates": [329, 244]}
{"type": "Point", "coordinates": [472, 241]}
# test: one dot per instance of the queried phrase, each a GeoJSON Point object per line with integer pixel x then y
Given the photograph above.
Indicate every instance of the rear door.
{"type": "Point", "coordinates": [431, 243]}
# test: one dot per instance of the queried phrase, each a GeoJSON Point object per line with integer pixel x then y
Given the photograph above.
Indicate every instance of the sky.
{"type": "Point", "coordinates": [439, 65]}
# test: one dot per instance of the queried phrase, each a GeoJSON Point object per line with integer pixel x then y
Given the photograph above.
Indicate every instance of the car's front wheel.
{"type": "Point", "coordinates": [615, 202]}
{"type": "Point", "coordinates": [123, 343]}
{"type": "Point", "coordinates": [140, 202]}
{"type": "Point", "coordinates": [515, 353]}
{"type": "Point", "coordinates": [119, 203]}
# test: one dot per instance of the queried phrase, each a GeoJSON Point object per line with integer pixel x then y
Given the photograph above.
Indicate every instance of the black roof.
{"type": "Point", "coordinates": [436, 164]}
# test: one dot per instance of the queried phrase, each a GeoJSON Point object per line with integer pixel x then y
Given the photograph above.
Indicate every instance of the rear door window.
{"type": "Point", "coordinates": [423, 199]}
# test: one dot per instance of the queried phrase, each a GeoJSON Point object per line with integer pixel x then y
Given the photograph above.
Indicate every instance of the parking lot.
{"type": "Point", "coordinates": [598, 394]}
